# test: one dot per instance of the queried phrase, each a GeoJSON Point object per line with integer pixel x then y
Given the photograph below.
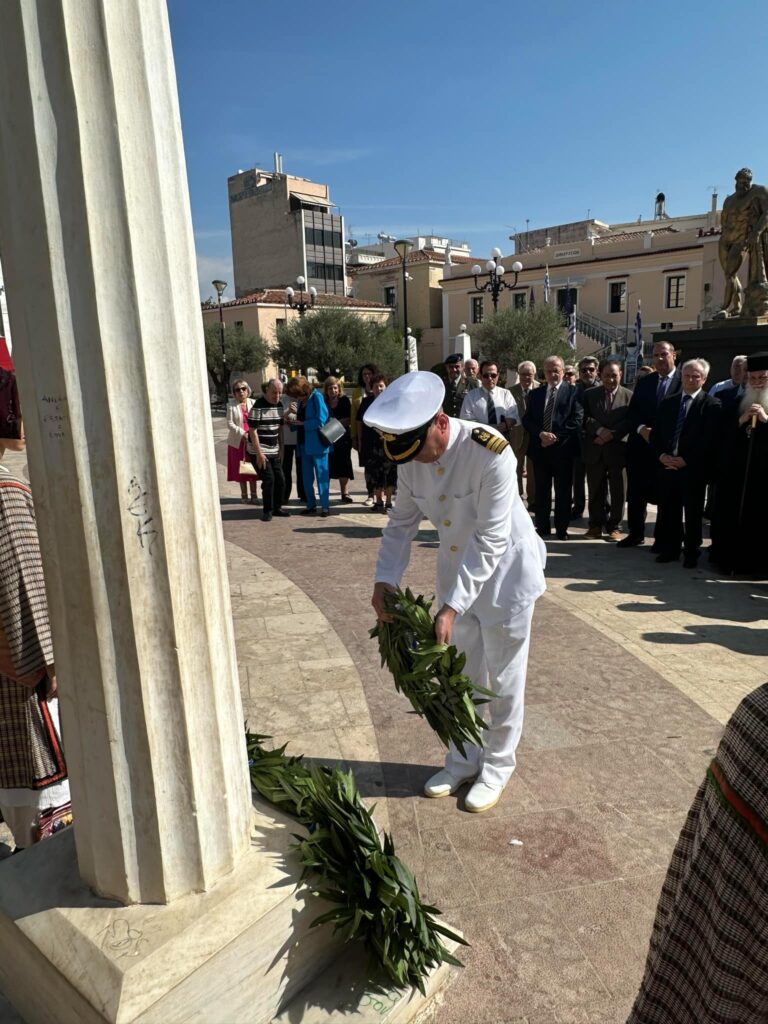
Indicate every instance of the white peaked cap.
{"type": "Point", "coordinates": [407, 404]}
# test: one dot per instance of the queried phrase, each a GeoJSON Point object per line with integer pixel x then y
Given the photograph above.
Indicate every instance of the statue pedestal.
{"type": "Point", "coordinates": [718, 341]}
{"type": "Point", "coordinates": [241, 953]}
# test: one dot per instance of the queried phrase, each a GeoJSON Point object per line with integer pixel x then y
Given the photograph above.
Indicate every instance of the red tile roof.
{"type": "Point", "coordinates": [417, 256]}
{"type": "Point", "coordinates": [276, 297]}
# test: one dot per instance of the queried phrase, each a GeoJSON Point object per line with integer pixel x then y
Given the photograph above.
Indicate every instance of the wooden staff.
{"type": "Point", "coordinates": [753, 424]}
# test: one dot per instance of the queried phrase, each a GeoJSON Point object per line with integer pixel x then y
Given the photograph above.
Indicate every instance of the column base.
{"type": "Point", "coordinates": [235, 954]}
{"type": "Point", "coordinates": [242, 953]}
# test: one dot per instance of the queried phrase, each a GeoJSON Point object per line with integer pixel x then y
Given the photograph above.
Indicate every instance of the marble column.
{"type": "Point", "coordinates": [98, 255]}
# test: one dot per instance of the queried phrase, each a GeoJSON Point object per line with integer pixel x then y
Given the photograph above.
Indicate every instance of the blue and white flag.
{"type": "Point", "coordinates": [639, 335]}
{"type": "Point", "coordinates": [571, 311]}
{"type": "Point", "coordinates": [546, 284]}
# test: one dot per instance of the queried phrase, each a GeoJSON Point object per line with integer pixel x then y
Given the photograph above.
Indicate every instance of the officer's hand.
{"type": "Point", "coordinates": [379, 590]}
{"type": "Point", "coordinates": [444, 624]}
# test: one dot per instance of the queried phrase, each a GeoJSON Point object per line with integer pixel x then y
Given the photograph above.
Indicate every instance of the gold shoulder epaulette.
{"type": "Point", "coordinates": [490, 441]}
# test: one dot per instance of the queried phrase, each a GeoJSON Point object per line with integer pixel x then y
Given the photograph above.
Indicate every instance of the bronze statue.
{"type": "Point", "coordinates": [743, 224]}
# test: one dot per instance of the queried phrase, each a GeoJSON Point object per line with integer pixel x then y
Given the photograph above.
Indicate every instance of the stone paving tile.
{"type": "Point", "coordinates": [611, 923]}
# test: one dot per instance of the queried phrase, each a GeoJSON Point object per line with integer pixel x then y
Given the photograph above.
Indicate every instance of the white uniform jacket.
{"type": "Point", "coordinates": [475, 405]}
{"type": "Point", "coordinates": [491, 561]}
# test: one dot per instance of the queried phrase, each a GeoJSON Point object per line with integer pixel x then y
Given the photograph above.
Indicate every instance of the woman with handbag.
{"type": "Point", "coordinates": [310, 416]}
{"type": "Point", "coordinates": [239, 468]}
{"type": "Point", "coordinates": [340, 459]}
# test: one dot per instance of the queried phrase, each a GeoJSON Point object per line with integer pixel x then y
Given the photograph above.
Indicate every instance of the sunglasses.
{"type": "Point", "coordinates": [491, 376]}
{"type": "Point", "coordinates": [241, 389]}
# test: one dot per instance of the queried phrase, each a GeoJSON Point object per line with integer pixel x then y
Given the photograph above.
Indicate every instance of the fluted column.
{"type": "Point", "coordinates": [97, 248]}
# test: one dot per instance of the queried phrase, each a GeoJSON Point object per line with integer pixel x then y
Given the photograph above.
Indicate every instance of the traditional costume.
{"type": "Point", "coordinates": [490, 565]}
{"type": "Point", "coordinates": [738, 514]}
{"type": "Point", "coordinates": [707, 962]}
{"type": "Point", "coordinates": [33, 775]}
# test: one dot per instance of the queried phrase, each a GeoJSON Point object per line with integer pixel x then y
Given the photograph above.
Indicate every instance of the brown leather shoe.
{"type": "Point", "coordinates": [614, 535]}
{"type": "Point", "coordinates": [593, 533]}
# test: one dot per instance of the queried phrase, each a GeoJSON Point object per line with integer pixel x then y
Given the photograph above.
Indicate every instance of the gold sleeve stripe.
{"type": "Point", "coordinates": [490, 441]}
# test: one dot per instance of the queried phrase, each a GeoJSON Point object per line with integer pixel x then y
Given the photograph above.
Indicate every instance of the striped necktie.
{"type": "Point", "coordinates": [491, 409]}
{"type": "Point", "coordinates": [549, 409]}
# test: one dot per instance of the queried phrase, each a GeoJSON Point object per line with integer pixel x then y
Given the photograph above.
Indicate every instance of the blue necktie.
{"type": "Point", "coordinates": [661, 389]}
{"type": "Point", "coordinates": [680, 422]}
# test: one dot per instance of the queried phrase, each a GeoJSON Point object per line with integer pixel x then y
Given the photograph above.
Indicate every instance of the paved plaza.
{"type": "Point", "coordinates": [634, 669]}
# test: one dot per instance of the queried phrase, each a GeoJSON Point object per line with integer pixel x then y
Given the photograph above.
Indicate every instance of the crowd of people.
{"type": "Point", "coordinates": [583, 443]}
{"type": "Point", "coordinates": [592, 444]}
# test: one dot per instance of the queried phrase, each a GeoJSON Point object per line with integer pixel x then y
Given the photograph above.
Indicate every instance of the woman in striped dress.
{"type": "Point", "coordinates": [33, 774]}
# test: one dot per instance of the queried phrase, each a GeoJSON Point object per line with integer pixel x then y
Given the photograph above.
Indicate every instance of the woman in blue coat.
{"type": "Point", "coordinates": [310, 414]}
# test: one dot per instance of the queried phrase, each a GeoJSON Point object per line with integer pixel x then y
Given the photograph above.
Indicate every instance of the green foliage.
{"type": "Point", "coordinates": [335, 341]}
{"type": "Point", "coordinates": [512, 335]}
{"type": "Point", "coordinates": [376, 897]}
{"type": "Point", "coordinates": [246, 353]}
{"type": "Point", "coordinates": [430, 675]}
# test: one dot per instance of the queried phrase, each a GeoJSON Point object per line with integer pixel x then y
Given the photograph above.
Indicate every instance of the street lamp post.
{"type": "Point", "coordinates": [495, 283]}
{"type": "Point", "coordinates": [402, 247]}
{"type": "Point", "coordinates": [220, 286]}
{"type": "Point", "coordinates": [301, 305]}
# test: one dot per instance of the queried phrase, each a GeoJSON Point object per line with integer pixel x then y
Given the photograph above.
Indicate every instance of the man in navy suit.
{"type": "Point", "coordinates": [683, 443]}
{"type": "Point", "coordinates": [553, 421]}
{"type": "Point", "coordinates": [649, 392]}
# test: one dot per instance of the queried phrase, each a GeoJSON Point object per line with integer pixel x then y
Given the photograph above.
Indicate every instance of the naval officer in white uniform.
{"type": "Point", "coordinates": [490, 566]}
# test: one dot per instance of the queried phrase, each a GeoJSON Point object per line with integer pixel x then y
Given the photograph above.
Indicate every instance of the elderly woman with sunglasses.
{"type": "Point", "coordinates": [238, 408]}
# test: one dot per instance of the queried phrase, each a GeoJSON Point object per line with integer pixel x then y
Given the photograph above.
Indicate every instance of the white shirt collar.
{"type": "Point", "coordinates": [694, 395]}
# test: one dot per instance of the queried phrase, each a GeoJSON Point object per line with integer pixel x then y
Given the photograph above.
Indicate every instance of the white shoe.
{"type": "Point", "coordinates": [482, 797]}
{"type": "Point", "coordinates": [368, 502]}
{"type": "Point", "coordinates": [445, 783]}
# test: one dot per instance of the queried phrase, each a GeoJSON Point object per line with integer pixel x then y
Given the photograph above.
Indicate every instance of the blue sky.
{"type": "Point", "coordinates": [466, 119]}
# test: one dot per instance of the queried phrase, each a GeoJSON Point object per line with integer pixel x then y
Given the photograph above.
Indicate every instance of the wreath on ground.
{"type": "Point", "coordinates": [429, 674]}
{"type": "Point", "coordinates": [345, 862]}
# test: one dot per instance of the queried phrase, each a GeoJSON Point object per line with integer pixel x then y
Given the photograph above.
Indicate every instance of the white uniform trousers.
{"type": "Point", "coordinates": [497, 658]}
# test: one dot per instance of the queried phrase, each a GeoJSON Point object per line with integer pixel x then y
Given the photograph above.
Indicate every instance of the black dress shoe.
{"type": "Point", "coordinates": [562, 535]}
{"type": "Point", "coordinates": [630, 542]}
{"type": "Point", "coordinates": [266, 517]}
{"type": "Point", "coordinates": [667, 558]}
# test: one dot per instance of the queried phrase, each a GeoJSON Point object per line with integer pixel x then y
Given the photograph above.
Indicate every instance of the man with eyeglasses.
{"type": "Point", "coordinates": [738, 515]}
{"type": "Point", "coordinates": [489, 403]}
{"type": "Point", "coordinates": [588, 378]}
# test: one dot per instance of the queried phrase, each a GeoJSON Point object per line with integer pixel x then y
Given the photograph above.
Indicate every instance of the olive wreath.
{"type": "Point", "coordinates": [345, 862]}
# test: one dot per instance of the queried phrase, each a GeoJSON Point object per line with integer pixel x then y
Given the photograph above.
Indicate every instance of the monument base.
{"type": "Point", "coordinates": [237, 954]}
{"type": "Point", "coordinates": [718, 341]}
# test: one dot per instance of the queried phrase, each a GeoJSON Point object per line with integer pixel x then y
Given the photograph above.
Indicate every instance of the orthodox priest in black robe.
{"type": "Point", "coordinates": [740, 514]}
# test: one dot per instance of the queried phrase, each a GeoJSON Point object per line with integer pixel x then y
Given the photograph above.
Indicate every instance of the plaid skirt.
{"type": "Point", "coordinates": [708, 959]}
{"type": "Point", "coordinates": [30, 753]}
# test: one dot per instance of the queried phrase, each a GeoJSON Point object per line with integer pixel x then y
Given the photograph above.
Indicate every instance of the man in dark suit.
{"type": "Point", "coordinates": [588, 378]}
{"type": "Point", "coordinates": [649, 392]}
{"type": "Point", "coordinates": [518, 435]}
{"type": "Point", "coordinates": [604, 449]}
{"type": "Point", "coordinates": [683, 442]}
{"type": "Point", "coordinates": [553, 421]}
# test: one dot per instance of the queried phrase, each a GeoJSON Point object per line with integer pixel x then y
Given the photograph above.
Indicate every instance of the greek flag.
{"type": "Point", "coordinates": [546, 284]}
{"type": "Point", "coordinates": [639, 334]}
{"type": "Point", "coordinates": [571, 311]}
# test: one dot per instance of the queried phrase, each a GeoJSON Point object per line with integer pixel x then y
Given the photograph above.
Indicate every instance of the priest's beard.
{"type": "Point", "coordinates": [752, 395]}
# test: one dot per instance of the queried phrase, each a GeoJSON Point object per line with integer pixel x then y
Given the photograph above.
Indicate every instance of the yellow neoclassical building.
{"type": "Point", "coordinates": [262, 312]}
{"type": "Point", "coordinates": [672, 270]}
